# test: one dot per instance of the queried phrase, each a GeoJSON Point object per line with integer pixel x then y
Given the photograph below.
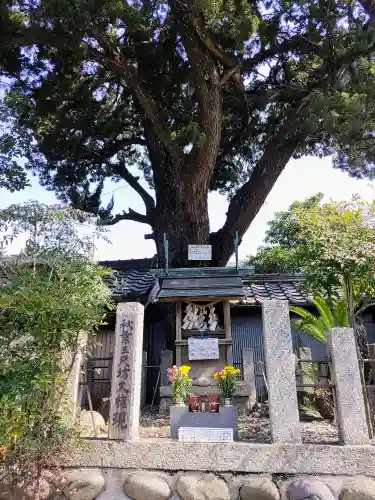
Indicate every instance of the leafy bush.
{"type": "Point", "coordinates": [47, 305]}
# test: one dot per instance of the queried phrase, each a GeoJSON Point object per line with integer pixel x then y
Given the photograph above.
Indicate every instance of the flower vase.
{"type": "Point", "coordinates": [227, 402]}
{"type": "Point", "coordinates": [179, 401]}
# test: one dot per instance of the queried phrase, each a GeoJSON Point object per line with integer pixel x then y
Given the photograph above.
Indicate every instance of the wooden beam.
{"type": "Point", "coordinates": [178, 333]}
{"type": "Point", "coordinates": [178, 320]}
{"type": "Point", "coordinates": [227, 321]}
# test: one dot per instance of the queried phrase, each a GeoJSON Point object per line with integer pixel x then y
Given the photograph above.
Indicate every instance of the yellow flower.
{"type": "Point", "coordinates": [184, 370]}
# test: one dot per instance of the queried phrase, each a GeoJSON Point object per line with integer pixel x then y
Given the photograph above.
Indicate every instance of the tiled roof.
{"type": "Point", "coordinates": [280, 287]}
{"type": "Point", "coordinates": [132, 279]}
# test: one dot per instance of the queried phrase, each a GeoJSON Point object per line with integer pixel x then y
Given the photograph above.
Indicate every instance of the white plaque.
{"type": "Point", "coordinates": [205, 348]}
{"type": "Point", "coordinates": [200, 252]}
{"type": "Point", "coordinates": [204, 435]}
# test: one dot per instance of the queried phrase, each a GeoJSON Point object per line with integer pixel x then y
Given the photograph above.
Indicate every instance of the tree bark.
{"type": "Point", "coordinates": [183, 218]}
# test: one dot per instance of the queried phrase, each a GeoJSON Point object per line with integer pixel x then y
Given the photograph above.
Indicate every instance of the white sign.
{"type": "Point", "coordinates": [200, 252]}
{"type": "Point", "coordinates": [206, 348]}
{"type": "Point", "coordinates": [205, 435]}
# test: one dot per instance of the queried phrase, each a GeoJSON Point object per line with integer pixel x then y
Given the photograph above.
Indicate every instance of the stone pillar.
{"type": "Point", "coordinates": [166, 361]}
{"type": "Point", "coordinates": [249, 374]}
{"type": "Point", "coordinates": [126, 372]}
{"type": "Point", "coordinates": [280, 368]}
{"type": "Point", "coordinates": [351, 416]}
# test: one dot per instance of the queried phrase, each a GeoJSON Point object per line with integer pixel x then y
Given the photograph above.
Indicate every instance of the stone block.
{"type": "Point", "coordinates": [358, 488]}
{"type": "Point", "coordinates": [259, 488]}
{"type": "Point", "coordinates": [202, 486]}
{"type": "Point", "coordinates": [113, 495]}
{"type": "Point", "coordinates": [145, 485]}
{"type": "Point", "coordinates": [181, 417]}
{"type": "Point", "coordinates": [83, 484]}
{"type": "Point", "coordinates": [242, 457]}
{"type": "Point", "coordinates": [280, 368]}
{"type": "Point", "coordinates": [309, 488]}
{"type": "Point", "coordinates": [351, 416]}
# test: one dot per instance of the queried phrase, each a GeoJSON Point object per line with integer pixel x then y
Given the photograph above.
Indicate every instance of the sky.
{"type": "Point", "coordinates": [300, 179]}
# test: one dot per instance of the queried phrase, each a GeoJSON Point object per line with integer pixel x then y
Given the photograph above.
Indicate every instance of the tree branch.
{"type": "Point", "coordinates": [249, 199]}
{"type": "Point", "coordinates": [130, 215]}
{"type": "Point", "coordinates": [113, 59]}
{"type": "Point", "coordinates": [300, 43]}
{"type": "Point", "coordinates": [369, 8]}
{"type": "Point", "coordinates": [133, 181]}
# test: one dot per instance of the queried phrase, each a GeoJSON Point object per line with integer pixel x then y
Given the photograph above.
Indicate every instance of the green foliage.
{"type": "Point", "coordinates": [284, 229]}
{"type": "Point", "coordinates": [329, 243]}
{"type": "Point", "coordinates": [339, 237]}
{"type": "Point", "coordinates": [48, 303]}
{"type": "Point", "coordinates": [49, 229]}
{"type": "Point", "coordinates": [273, 260]}
{"type": "Point", "coordinates": [281, 254]}
{"type": "Point", "coordinates": [328, 317]}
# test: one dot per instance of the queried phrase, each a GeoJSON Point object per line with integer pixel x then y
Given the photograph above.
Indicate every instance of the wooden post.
{"type": "Point", "coordinates": [228, 331]}
{"type": "Point", "coordinates": [166, 361]}
{"type": "Point", "coordinates": [227, 322]}
{"type": "Point", "coordinates": [248, 368]}
{"type": "Point", "coordinates": [178, 333]}
{"type": "Point", "coordinates": [144, 378]}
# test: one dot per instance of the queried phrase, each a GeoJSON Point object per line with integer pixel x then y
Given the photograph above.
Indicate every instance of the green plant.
{"type": "Point", "coordinates": [226, 380]}
{"type": "Point", "coordinates": [328, 317]}
{"type": "Point", "coordinates": [308, 405]}
{"type": "Point", "coordinates": [321, 398]}
{"type": "Point", "coordinates": [52, 297]}
{"type": "Point", "coordinates": [178, 376]}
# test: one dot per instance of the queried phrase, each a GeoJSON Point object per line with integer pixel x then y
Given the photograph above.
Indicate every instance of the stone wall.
{"type": "Point", "coordinates": [122, 484]}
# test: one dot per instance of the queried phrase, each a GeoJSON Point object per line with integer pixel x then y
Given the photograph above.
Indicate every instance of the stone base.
{"type": "Point", "coordinates": [164, 454]}
{"type": "Point", "coordinates": [225, 419]}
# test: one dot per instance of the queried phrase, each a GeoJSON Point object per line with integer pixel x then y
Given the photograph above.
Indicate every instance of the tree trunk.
{"type": "Point", "coordinates": [183, 218]}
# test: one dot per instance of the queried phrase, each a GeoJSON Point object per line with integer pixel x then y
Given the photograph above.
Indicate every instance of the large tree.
{"type": "Point", "coordinates": [200, 95]}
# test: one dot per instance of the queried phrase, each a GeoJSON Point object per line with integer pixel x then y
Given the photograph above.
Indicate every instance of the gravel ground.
{"type": "Point", "coordinates": [250, 428]}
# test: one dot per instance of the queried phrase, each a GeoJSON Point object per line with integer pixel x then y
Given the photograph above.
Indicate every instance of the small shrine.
{"type": "Point", "coordinates": [203, 338]}
{"type": "Point", "coordinates": [203, 328]}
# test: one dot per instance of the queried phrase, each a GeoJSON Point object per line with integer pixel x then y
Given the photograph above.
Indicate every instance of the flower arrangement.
{"type": "Point", "coordinates": [226, 380]}
{"type": "Point", "coordinates": [180, 382]}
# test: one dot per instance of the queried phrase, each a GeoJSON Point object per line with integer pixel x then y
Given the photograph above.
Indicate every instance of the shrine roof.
{"type": "Point", "coordinates": [138, 280]}
{"type": "Point", "coordinates": [196, 286]}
